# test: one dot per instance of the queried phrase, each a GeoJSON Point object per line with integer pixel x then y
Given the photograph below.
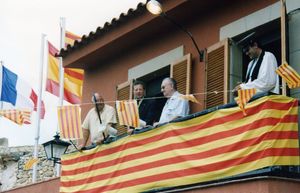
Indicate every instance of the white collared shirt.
{"type": "Point", "coordinates": [92, 122]}
{"type": "Point", "coordinates": [267, 79]}
{"type": "Point", "coordinates": [174, 107]}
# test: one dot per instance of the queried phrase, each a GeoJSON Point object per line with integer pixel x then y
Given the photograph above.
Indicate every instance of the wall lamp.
{"type": "Point", "coordinates": [155, 8]}
{"type": "Point", "coordinates": [55, 148]}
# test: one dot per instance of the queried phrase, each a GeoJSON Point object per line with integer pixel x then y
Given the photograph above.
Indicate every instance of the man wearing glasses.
{"type": "Point", "coordinates": [261, 73]}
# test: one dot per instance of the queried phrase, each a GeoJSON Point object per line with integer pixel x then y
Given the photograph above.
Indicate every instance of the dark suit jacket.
{"type": "Point", "coordinates": [150, 110]}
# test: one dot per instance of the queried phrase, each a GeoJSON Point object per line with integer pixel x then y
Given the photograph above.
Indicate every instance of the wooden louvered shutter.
{"type": "Point", "coordinates": [181, 72]}
{"type": "Point", "coordinates": [124, 92]}
{"type": "Point", "coordinates": [217, 74]}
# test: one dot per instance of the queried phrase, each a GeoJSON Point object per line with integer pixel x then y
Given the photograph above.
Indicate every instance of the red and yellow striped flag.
{"type": "Point", "coordinates": [69, 121]}
{"type": "Point", "coordinates": [17, 116]}
{"type": "Point", "coordinates": [291, 77]}
{"type": "Point", "coordinates": [73, 79]}
{"type": "Point", "coordinates": [28, 165]}
{"type": "Point", "coordinates": [190, 97]}
{"type": "Point", "coordinates": [128, 113]}
{"type": "Point", "coordinates": [213, 146]}
{"type": "Point", "coordinates": [70, 38]}
{"type": "Point", "coordinates": [243, 97]}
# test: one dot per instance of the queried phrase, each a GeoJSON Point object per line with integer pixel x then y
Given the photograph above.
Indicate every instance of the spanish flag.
{"type": "Point", "coordinates": [70, 38]}
{"type": "Point", "coordinates": [73, 79]}
{"type": "Point", "coordinates": [291, 77]}
{"type": "Point", "coordinates": [128, 113]}
{"type": "Point", "coordinates": [69, 121]}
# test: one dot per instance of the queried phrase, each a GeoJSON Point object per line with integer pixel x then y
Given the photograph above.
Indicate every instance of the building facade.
{"type": "Point", "coordinates": [138, 45]}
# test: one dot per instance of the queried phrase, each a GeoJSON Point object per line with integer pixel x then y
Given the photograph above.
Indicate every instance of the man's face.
{"type": "Point", "coordinates": [99, 102]}
{"type": "Point", "coordinates": [167, 88]}
{"type": "Point", "coordinates": [252, 52]}
{"type": "Point", "coordinates": [138, 91]}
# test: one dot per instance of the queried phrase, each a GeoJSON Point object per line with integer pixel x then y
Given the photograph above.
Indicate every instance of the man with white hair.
{"type": "Point", "coordinates": [175, 106]}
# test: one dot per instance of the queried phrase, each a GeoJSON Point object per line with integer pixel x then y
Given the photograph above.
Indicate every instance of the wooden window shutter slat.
{"type": "Point", "coordinates": [217, 74]}
{"type": "Point", "coordinates": [181, 72]}
{"type": "Point", "coordinates": [124, 92]}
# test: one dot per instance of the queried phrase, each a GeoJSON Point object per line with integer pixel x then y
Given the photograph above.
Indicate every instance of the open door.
{"type": "Point", "coordinates": [236, 67]}
{"type": "Point", "coordinates": [217, 74]}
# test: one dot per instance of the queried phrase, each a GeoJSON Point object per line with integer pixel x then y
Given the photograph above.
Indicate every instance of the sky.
{"type": "Point", "coordinates": [22, 23]}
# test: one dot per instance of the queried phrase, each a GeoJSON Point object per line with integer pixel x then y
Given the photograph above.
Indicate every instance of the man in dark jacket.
{"type": "Point", "coordinates": [146, 106]}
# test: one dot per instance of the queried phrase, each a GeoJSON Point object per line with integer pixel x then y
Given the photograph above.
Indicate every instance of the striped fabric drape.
{"type": "Point", "coordinates": [213, 146]}
{"type": "Point", "coordinates": [69, 121]}
{"type": "Point", "coordinates": [291, 77]}
{"type": "Point", "coordinates": [128, 113]}
{"type": "Point", "coordinates": [243, 97]}
{"type": "Point", "coordinates": [18, 116]}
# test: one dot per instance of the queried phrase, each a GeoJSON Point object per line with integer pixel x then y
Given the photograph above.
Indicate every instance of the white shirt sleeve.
{"type": "Point", "coordinates": [266, 79]}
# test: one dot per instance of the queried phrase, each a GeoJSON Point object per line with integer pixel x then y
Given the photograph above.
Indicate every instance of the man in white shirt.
{"type": "Point", "coordinates": [261, 69]}
{"type": "Point", "coordinates": [175, 106]}
{"type": "Point", "coordinates": [96, 128]}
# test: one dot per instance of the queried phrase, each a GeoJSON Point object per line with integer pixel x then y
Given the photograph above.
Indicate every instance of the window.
{"type": "Point", "coordinates": [179, 69]}
{"type": "Point", "coordinates": [226, 65]}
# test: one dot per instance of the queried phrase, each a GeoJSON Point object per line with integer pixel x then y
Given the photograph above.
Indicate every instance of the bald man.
{"type": "Point", "coordinates": [175, 106]}
{"type": "Point", "coordinates": [91, 125]}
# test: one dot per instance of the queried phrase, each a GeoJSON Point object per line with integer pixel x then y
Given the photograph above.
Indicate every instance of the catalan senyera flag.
{"type": "Point", "coordinates": [69, 121]}
{"type": "Point", "coordinates": [243, 97]}
{"type": "Point", "coordinates": [128, 113]}
{"type": "Point", "coordinates": [291, 77]}
{"type": "Point", "coordinates": [70, 38]}
{"type": "Point", "coordinates": [189, 97]}
{"type": "Point", "coordinates": [73, 79]}
{"type": "Point", "coordinates": [28, 165]}
{"type": "Point", "coordinates": [17, 116]}
{"type": "Point", "coordinates": [216, 145]}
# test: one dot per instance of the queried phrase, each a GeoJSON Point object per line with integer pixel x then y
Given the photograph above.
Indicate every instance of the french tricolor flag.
{"type": "Point", "coordinates": [17, 92]}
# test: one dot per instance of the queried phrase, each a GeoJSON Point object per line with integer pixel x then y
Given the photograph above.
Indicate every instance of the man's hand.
{"type": "Point", "coordinates": [235, 90]}
{"type": "Point", "coordinates": [130, 131]}
{"type": "Point", "coordinates": [81, 147]}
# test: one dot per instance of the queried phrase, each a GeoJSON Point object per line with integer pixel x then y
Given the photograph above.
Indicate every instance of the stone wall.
{"type": "Point", "coordinates": [12, 161]}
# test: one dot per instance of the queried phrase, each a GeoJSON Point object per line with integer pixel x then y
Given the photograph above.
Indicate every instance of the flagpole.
{"type": "Point", "coordinates": [39, 102]}
{"type": "Point", "coordinates": [61, 69]}
{"type": "Point", "coordinates": [61, 75]}
{"type": "Point", "coordinates": [283, 40]}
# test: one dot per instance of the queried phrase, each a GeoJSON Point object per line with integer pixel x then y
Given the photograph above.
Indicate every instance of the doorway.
{"type": "Point", "coordinates": [268, 36]}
